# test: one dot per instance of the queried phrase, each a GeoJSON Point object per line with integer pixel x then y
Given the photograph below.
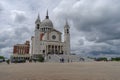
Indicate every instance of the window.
{"type": "Point", "coordinates": [67, 31]}
{"type": "Point", "coordinates": [38, 26]}
{"type": "Point", "coordinates": [53, 37]}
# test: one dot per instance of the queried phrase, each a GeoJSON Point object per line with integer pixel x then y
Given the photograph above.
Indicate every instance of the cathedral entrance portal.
{"type": "Point", "coordinates": [54, 49]}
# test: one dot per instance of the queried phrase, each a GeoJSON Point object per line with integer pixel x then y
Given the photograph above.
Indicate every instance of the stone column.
{"type": "Point", "coordinates": [60, 48]}
{"type": "Point", "coordinates": [54, 48]}
{"type": "Point", "coordinates": [46, 53]}
{"type": "Point", "coordinates": [57, 49]}
{"type": "Point", "coordinates": [50, 48]}
{"type": "Point", "coordinates": [46, 49]}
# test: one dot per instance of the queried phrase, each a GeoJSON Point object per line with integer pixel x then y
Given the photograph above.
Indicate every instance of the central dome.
{"type": "Point", "coordinates": [47, 23]}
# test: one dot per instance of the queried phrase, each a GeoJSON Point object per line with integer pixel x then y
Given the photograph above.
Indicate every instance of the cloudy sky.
{"type": "Point", "coordinates": [95, 24]}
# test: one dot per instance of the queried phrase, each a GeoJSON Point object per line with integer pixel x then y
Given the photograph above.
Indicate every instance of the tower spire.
{"type": "Point", "coordinates": [47, 17]}
{"type": "Point", "coordinates": [38, 16]}
{"type": "Point", "coordinates": [38, 19]}
{"type": "Point", "coordinates": [66, 23]}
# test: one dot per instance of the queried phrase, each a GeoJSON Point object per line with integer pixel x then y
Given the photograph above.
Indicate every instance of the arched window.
{"type": "Point", "coordinates": [38, 26]}
{"type": "Point", "coordinates": [67, 31]}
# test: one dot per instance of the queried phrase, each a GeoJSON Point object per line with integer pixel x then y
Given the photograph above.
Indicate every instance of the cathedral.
{"type": "Point", "coordinates": [47, 40]}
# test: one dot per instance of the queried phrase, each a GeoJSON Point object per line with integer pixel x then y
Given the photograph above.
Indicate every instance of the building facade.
{"type": "Point", "coordinates": [21, 51]}
{"type": "Point", "coordinates": [47, 40]}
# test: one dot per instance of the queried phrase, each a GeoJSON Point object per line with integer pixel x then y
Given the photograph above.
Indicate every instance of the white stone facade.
{"type": "Point", "coordinates": [48, 40]}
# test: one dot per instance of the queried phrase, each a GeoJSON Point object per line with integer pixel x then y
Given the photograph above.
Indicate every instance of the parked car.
{"type": "Point", "coordinates": [18, 61]}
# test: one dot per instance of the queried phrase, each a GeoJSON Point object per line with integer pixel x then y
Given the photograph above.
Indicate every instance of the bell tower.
{"type": "Point", "coordinates": [67, 38]}
{"type": "Point", "coordinates": [37, 34]}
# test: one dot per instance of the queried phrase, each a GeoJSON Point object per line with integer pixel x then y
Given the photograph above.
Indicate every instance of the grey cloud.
{"type": "Point", "coordinates": [11, 36]}
{"type": "Point", "coordinates": [97, 49]}
{"type": "Point", "coordinates": [17, 22]}
{"type": "Point", "coordinates": [94, 23]}
{"type": "Point", "coordinates": [114, 42]}
{"type": "Point", "coordinates": [97, 53]}
{"type": "Point", "coordinates": [81, 42]}
{"type": "Point", "coordinates": [7, 51]}
{"type": "Point", "coordinates": [14, 36]}
{"type": "Point", "coordinates": [1, 7]}
{"type": "Point", "coordinates": [93, 17]}
{"type": "Point", "coordinates": [20, 18]}
{"type": "Point", "coordinates": [96, 20]}
{"type": "Point", "coordinates": [22, 33]}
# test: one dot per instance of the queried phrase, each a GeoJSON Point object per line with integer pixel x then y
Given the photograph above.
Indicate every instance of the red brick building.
{"type": "Point", "coordinates": [21, 51]}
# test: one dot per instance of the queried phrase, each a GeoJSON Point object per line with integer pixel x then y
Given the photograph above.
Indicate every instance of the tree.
{"type": "Point", "coordinates": [2, 57]}
{"type": "Point", "coordinates": [40, 58]}
{"type": "Point", "coordinates": [101, 59]}
{"type": "Point", "coordinates": [115, 59]}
